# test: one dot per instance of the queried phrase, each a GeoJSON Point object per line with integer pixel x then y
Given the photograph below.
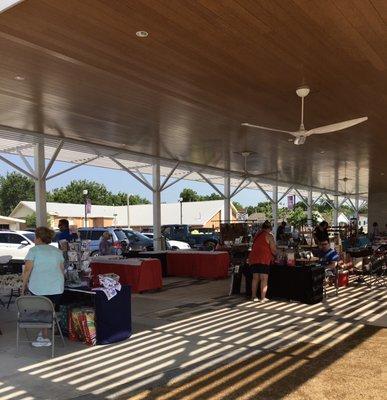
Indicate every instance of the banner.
{"type": "Point", "coordinates": [291, 201]}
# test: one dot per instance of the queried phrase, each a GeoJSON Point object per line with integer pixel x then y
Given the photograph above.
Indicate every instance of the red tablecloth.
{"type": "Point", "coordinates": [198, 264]}
{"type": "Point", "coordinates": [141, 274]}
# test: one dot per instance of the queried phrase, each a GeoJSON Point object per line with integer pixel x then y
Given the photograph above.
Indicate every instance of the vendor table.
{"type": "Point", "coordinates": [113, 317]}
{"type": "Point", "coordinates": [198, 264]}
{"type": "Point", "coordinates": [140, 273]}
{"type": "Point", "coordinates": [300, 283]}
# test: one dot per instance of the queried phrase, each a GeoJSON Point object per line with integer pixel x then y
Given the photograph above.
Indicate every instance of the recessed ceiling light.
{"type": "Point", "coordinates": [322, 152]}
{"type": "Point", "coordinates": [142, 34]}
{"type": "Point", "coordinates": [382, 173]}
{"type": "Point", "coordinates": [19, 78]}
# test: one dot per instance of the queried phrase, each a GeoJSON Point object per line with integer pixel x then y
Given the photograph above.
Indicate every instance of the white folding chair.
{"type": "Point", "coordinates": [36, 312]}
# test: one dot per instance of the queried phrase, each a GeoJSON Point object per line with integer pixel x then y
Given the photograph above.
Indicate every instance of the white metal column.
{"type": "Point", "coordinates": [335, 210]}
{"type": "Point", "coordinates": [309, 210]}
{"type": "Point", "coordinates": [357, 207]}
{"type": "Point", "coordinates": [274, 208]}
{"type": "Point", "coordinates": [156, 207]}
{"type": "Point", "coordinates": [40, 185]}
{"type": "Point", "coordinates": [227, 199]}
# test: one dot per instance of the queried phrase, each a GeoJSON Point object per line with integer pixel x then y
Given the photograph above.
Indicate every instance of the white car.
{"type": "Point", "coordinates": [17, 244]}
{"type": "Point", "coordinates": [175, 244]}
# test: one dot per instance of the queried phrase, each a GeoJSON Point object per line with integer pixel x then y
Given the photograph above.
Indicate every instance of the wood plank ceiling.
{"type": "Point", "coordinates": [206, 66]}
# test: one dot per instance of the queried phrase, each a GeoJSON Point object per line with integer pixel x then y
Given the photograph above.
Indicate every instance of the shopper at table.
{"type": "Point", "coordinates": [320, 233]}
{"type": "Point", "coordinates": [260, 258]}
{"type": "Point", "coordinates": [105, 244]}
{"type": "Point", "coordinates": [43, 274]}
{"type": "Point", "coordinates": [329, 258]}
{"type": "Point", "coordinates": [281, 235]}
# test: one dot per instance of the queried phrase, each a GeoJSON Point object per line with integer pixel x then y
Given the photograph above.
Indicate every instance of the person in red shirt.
{"type": "Point", "coordinates": [260, 258]}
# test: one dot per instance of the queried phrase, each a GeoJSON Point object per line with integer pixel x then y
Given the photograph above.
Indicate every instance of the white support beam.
{"type": "Point", "coordinates": [236, 189]}
{"type": "Point", "coordinates": [241, 188]}
{"type": "Point", "coordinates": [13, 165]}
{"type": "Point", "coordinates": [287, 191]}
{"type": "Point", "coordinates": [309, 209]}
{"type": "Point", "coordinates": [274, 207]}
{"type": "Point", "coordinates": [25, 161]}
{"type": "Point", "coordinates": [335, 210]}
{"type": "Point", "coordinates": [211, 184]}
{"type": "Point", "coordinates": [177, 180]}
{"type": "Point", "coordinates": [53, 158]}
{"type": "Point", "coordinates": [142, 176]}
{"type": "Point", "coordinates": [352, 205]}
{"type": "Point", "coordinates": [168, 176]}
{"type": "Point", "coordinates": [303, 199]}
{"type": "Point", "coordinates": [263, 191]}
{"type": "Point", "coordinates": [145, 183]}
{"type": "Point", "coordinates": [342, 203]}
{"type": "Point", "coordinates": [71, 168]}
{"type": "Point", "coordinates": [227, 199]}
{"type": "Point", "coordinates": [318, 198]}
{"type": "Point", "coordinates": [40, 185]}
{"type": "Point", "coordinates": [156, 207]}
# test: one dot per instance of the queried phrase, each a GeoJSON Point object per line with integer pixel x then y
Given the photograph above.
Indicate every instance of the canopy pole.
{"type": "Point", "coordinates": [310, 204]}
{"type": "Point", "coordinates": [335, 210]}
{"type": "Point", "coordinates": [274, 208]}
{"type": "Point", "coordinates": [156, 207]}
{"type": "Point", "coordinates": [227, 199]}
{"type": "Point", "coordinates": [40, 185]}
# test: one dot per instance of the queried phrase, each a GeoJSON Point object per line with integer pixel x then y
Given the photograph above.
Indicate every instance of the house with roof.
{"type": "Point", "coordinates": [202, 214]}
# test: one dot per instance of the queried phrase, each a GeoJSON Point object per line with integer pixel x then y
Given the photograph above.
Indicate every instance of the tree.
{"type": "Point", "coordinates": [31, 220]}
{"type": "Point", "coordinates": [298, 217]}
{"type": "Point", "coordinates": [189, 195]}
{"type": "Point", "coordinates": [15, 187]}
{"type": "Point", "coordinates": [238, 206]}
{"type": "Point", "coordinates": [212, 196]}
{"type": "Point", "coordinates": [121, 199]}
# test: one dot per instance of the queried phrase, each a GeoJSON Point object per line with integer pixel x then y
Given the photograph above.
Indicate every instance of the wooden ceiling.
{"type": "Point", "coordinates": [205, 67]}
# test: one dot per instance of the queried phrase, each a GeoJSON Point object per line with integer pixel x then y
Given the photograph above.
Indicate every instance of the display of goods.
{"type": "Point", "coordinates": [81, 325]}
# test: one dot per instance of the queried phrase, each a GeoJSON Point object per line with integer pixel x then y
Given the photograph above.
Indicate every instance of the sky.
{"type": "Point", "coordinates": [120, 181]}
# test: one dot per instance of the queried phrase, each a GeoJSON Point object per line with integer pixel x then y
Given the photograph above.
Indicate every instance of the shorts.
{"type": "Point", "coordinates": [55, 298]}
{"type": "Point", "coordinates": [260, 269]}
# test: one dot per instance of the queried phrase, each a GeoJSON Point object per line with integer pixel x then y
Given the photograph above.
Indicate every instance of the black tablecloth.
{"type": "Point", "coordinates": [161, 255]}
{"type": "Point", "coordinates": [299, 283]}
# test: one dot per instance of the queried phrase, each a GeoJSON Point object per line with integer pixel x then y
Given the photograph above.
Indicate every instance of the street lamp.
{"type": "Point", "coordinates": [128, 203]}
{"type": "Point", "coordinates": [85, 192]}
{"type": "Point", "coordinates": [181, 210]}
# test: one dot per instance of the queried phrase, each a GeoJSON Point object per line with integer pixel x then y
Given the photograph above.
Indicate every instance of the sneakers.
{"type": "Point", "coordinates": [41, 342]}
{"type": "Point", "coordinates": [255, 299]}
{"type": "Point", "coordinates": [264, 300]}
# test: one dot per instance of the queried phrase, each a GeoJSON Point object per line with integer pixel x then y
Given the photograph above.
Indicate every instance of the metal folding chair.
{"type": "Point", "coordinates": [36, 312]}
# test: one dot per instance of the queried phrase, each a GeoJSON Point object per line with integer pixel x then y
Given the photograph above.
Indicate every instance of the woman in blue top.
{"type": "Point", "coordinates": [44, 273]}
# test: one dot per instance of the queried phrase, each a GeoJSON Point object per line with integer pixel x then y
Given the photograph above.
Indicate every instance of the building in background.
{"type": "Point", "coordinates": [202, 214]}
{"type": "Point", "coordinates": [14, 224]}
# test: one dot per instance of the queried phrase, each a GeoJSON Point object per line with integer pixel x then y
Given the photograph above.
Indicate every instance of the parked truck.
{"type": "Point", "coordinates": [196, 238]}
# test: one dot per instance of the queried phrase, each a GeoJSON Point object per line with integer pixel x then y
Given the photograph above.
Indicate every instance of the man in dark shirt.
{"type": "Point", "coordinates": [64, 234]}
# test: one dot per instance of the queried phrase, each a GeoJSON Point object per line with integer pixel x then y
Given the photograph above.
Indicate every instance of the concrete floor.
{"type": "Point", "coordinates": [193, 341]}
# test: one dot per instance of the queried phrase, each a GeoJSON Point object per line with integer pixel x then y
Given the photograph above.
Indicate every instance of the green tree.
{"type": "Point", "coordinates": [212, 196]}
{"type": "Point", "coordinates": [73, 193]}
{"type": "Point", "coordinates": [189, 195]}
{"type": "Point", "coordinates": [31, 220]}
{"type": "Point", "coordinates": [15, 187]}
{"type": "Point", "coordinates": [298, 217]}
{"type": "Point", "coordinates": [238, 206]}
{"type": "Point", "coordinates": [121, 199]}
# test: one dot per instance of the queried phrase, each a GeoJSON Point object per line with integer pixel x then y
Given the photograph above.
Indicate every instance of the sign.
{"type": "Point", "coordinates": [88, 206]}
{"type": "Point", "coordinates": [291, 201]}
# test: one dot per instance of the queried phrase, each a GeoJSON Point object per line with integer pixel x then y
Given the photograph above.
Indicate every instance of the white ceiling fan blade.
{"type": "Point", "coordinates": [336, 127]}
{"type": "Point", "coordinates": [265, 128]}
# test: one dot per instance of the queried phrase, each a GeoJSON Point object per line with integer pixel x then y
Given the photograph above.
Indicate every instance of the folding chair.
{"type": "Point", "coordinates": [377, 270]}
{"type": "Point", "coordinates": [36, 312]}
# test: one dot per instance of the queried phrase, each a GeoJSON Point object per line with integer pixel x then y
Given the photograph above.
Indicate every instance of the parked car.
{"type": "Point", "coordinates": [192, 236]}
{"type": "Point", "coordinates": [17, 244]}
{"type": "Point", "coordinates": [174, 244]}
{"type": "Point", "coordinates": [138, 241]}
{"type": "Point", "coordinates": [119, 238]}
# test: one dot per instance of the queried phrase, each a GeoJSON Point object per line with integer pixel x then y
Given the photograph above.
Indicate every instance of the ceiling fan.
{"type": "Point", "coordinates": [302, 133]}
{"type": "Point", "coordinates": [246, 174]}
